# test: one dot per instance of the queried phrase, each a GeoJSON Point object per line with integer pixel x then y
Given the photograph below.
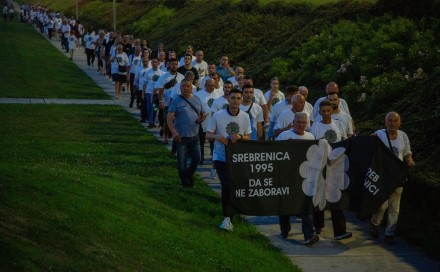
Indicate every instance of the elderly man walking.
{"type": "Point", "coordinates": [184, 118]}
{"type": "Point", "coordinates": [397, 141]}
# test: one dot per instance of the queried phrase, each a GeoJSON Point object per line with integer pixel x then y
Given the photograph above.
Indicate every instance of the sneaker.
{"type": "Point", "coordinates": [312, 240]}
{"type": "Point", "coordinates": [344, 236]}
{"type": "Point", "coordinates": [226, 224]}
{"type": "Point", "coordinates": [374, 230]}
{"type": "Point", "coordinates": [213, 173]}
{"type": "Point", "coordinates": [389, 240]}
{"type": "Point", "coordinates": [317, 231]}
{"type": "Point", "coordinates": [283, 235]}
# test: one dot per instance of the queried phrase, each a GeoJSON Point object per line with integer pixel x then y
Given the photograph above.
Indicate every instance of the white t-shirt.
{"type": "Point", "coordinates": [255, 116]}
{"type": "Point", "coordinates": [342, 105]}
{"type": "Point", "coordinates": [150, 78]}
{"type": "Point", "coordinates": [219, 104]}
{"type": "Point", "coordinates": [279, 96]}
{"type": "Point", "coordinates": [73, 41]}
{"type": "Point", "coordinates": [286, 117]}
{"type": "Point", "coordinates": [344, 118]}
{"type": "Point", "coordinates": [291, 135]}
{"type": "Point", "coordinates": [207, 100]}
{"type": "Point", "coordinates": [135, 62]}
{"type": "Point", "coordinates": [332, 132]}
{"type": "Point", "coordinates": [202, 68]}
{"type": "Point", "coordinates": [233, 80]}
{"type": "Point", "coordinates": [120, 59]}
{"type": "Point", "coordinates": [259, 97]}
{"type": "Point", "coordinates": [278, 108]}
{"type": "Point", "coordinates": [165, 78]}
{"type": "Point", "coordinates": [163, 67]}
{"type": "Point", "coordinates": [139, 78]}
{"type": "Point", "coordinates": [222, 123]}
{"type": "Point", "coordinates": [401, 146]}
{"type": "Point", "coordinates": [309, 109]}
{"type": "Point", "coordinates": [88, 39]}
{"type": "Point", "coordinates": [65, 29]}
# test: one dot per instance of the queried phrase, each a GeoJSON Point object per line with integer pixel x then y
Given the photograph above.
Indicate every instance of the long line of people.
{"type": "Point", "coordinates": [156, 79]}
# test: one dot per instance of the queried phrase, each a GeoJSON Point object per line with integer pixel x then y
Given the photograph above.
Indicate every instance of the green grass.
{"type": "Point", "coordinates": [86, 188]}
{"type": "Point", "coordinates": [32, 68]}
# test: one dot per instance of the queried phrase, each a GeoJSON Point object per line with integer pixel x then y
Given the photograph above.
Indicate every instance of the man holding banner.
{"type": "Point", "coordinates": [397, 141]}
{"type": "Point", "coordinates": [332, 131]}
{"type": "Point", "coordinates": [298, 132]}
{"type": "Point", "coordinates": [227, 127]}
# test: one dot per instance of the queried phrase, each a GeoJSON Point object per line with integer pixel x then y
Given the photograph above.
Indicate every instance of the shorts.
{"type": "Point", "coordinates": [119, 78]}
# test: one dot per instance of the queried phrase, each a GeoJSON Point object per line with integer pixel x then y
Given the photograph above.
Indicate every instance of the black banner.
{"type": "Point", "coordinates": [293, 176]}
{"type": "Point", "coordinates": [375, 172]}
{"type": "Point", "coordinates": [265, 177]}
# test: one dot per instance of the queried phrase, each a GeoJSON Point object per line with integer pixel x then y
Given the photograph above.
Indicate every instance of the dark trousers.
{"type": "Point", "coordinates": [65, 43]}
{"type": "Point", "coordinates": [161, 118]}
{"type": "Point", "coordinates": [90, 53]}
{"type": "Point", "coordinates": [188, 147]}
{"type": "Point", "coordinates": [306, 225]}
{"type": "Point", "coordinates": [202, 137]}
{"type": "Point", "coordinates": [143, 106]}
{"type": "Point", "coordinates": [224, 181]}
{"type": "Point", "coordinates": [150, 109]}
{"type": "Point", "coordinates": [133, 92]}
{"type": "Point", "coordinates": [49, 33]}
{"type": "Point", "coordinates": [338, 221]}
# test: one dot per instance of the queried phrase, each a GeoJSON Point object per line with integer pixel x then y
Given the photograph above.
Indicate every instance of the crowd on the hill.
{"type": "Point", "coordinates": [195, 101]}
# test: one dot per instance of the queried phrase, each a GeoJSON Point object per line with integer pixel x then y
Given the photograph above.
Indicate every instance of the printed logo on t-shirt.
{"type": "Point", "coordinates": [232, 128]}
{"type": "Point", "coordinates": [395, 150]}
{"type": "Point", "coordinates": [275, 100]}
{"type": "Point", "coordinates": [201, 72]}
{"type": "Point", "coordinates": [210, 101]}
{"type": "Point", "coordinates": [330, 135]}
{"type": "Point", "coordinates": [225, 106]}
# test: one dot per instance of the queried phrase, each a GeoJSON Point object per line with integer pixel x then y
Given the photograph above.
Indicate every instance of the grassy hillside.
{"type": "Point", "coordinates": [387, 49]}
{"type": "Point", "coordinates": [85, 188]}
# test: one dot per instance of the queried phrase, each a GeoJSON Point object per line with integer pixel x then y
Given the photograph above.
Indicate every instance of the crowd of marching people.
{"type": "Point", "coordinates": [194, 101]}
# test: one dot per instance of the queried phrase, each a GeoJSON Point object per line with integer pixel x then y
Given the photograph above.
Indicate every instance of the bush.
{"type": "Point", "coordinates": [152, 19]}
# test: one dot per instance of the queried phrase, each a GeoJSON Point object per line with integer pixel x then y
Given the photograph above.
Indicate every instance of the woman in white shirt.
{"type": "Point", "coordinates": [119, 69]}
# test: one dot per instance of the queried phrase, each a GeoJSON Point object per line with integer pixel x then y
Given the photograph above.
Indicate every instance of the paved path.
{"type": "Point", "coordinates": [359, 253]}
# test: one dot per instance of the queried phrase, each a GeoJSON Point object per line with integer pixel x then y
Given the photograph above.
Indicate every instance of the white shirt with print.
{"type": "Point", "coordinates": [224, 124]}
